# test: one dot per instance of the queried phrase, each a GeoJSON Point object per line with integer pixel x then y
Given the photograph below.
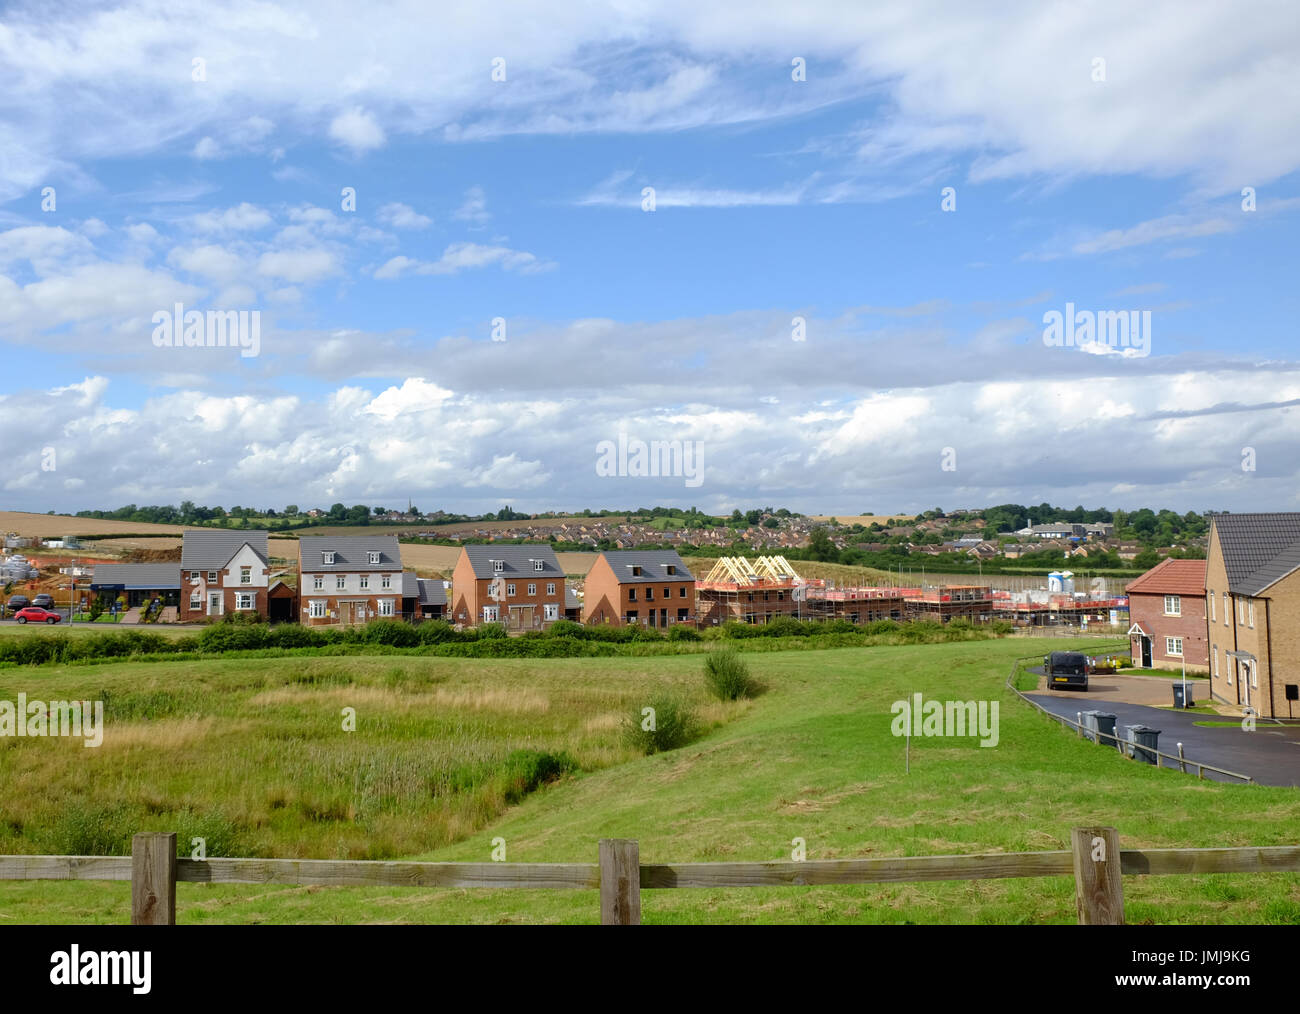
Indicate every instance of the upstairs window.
{"type": "Point", "coordinates": [1211, 598]}
{"type": "Point", "coordinates": [1173, 605]}
{"type": "Point", "coordinates": [386, 581]}
{"type": "Point", "coordinates": [670, 568]}
{"type": "Point", "coordinates": [636, 571]}
{"type": "Point", "coordinates": [327, 558]}
{"type": "Point", "coordinates": [245, 575]}
{"type": "Point", "coordinates": [318, 583]}
{"type": "Point", "coordinates": [1250, 614]}
{"type": "Point", "coordinates": [212, 577]}
{"type": "Point", "coordinates": [539, 565]}
{"type": "Point", "coordinates": [550, 588]}
{"type": "Point", "coordinates": [498, 566]}
{"type": "Point", "coordinates": [340, 582]}
{"type": "Point", "coordinates": [374, 559]}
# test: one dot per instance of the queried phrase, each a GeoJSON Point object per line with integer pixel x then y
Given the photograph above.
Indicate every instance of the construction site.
{"type": "Point", "coordinates": [761, 590]}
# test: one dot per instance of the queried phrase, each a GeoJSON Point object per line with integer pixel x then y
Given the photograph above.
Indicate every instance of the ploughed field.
{"type": "Point", "coordinates": [451, 753]}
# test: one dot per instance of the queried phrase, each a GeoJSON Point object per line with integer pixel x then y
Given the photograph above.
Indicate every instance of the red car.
{"type": "Point", "coordinates": [35, 614]}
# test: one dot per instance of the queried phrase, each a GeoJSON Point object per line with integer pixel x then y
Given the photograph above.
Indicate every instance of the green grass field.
{"type": "Point", "coordinates": [250, 754]}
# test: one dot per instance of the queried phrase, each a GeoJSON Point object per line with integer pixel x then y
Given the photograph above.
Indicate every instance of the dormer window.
{"type": "Point", "coordinates": [539, 566]}
{"type": "Point", "coordinates": [670, 568]}
{"type": "Point", "coordinates": [498, 566]}
{"type": "Point", "coordinates": [636, 571]}
{"type": "Point", "coordinates": [374, 558]}
{"type": "Point", "coordinates": [327, 558]}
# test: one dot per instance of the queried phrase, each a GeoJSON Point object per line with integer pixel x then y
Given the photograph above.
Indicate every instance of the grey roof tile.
{"type": "Point", "coordinates": [1258, 549]}
{"type": "Point", "coordinates": [652, 563]}
{"type": "Point", "coordinates": [141, 576]}
{"type": "Point", "coordinates": [517, 561]}
{"type": "Point", "coordinates": [351, 553]}
{"type": "Point", "coordinates": [213, 550]}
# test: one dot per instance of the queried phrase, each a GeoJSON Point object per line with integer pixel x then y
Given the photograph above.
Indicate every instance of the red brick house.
{"type": "Point", "coordinates": [222, 572]}
{"type": "Point", "coordinates": [651, 587]}
{"type": "Point", "coordinates": [521, 586]}
{"type": "Point", "coordinates": [349, 579]}
{"type": "Point", "coordinates": [1167, 609]}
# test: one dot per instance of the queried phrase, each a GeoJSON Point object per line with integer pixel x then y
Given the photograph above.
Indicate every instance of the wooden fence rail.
{"type": "Point", "coordinates": [1095, 860]}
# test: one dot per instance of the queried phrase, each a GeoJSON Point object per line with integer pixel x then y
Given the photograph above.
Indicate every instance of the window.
{"type": "Point", "coordinates": [340, 582]}
{"type": "Point", "coordinates": [551, 611]}
{"type": "Point", "coordinates": [1210, 603]}
{"type": "Point", "coordinates": [385, 607]}
{"type": "Point", "coordinates": [316, 608]}
{"type": "Point", "coordinates": [1227, 669]}
{"type": "Point", "coordinates": [374, 559]}
{"type": "Point", "coordinates": [1173, 605]}
{"type": "Point", "coordinates": [550, 587]}
{"type": "Point", "coordinates": [194, 575]}
{"type": "Point", "coordinates": [386, 581]}
{"type": "Point", "coordinates": [196, 600]}
{"type": "Point", "coordinates": [636, 571]}
{"type": "Point", "coordinates": [243, 600]}
{"type": "Point", "coordinates": [683, 614]}
{"type": "Point", "coordinates": [212, 577]}
{"type": "Point", "coordinates": [681, 592]}
{"type": "Point", "coordinates": [317, 582]}
{"type": "Point", "coordinates": [510, 591]}
{"type": "Point", "coordinates": [631, 616]}
{"type": "Point", "coordinates": [1174, 646]}
{"type": "Point", "coordinates": [649, 594]}
{"type": "Point", "coordinates": [327, 558]}
{"type": "Point", "coordinates": [670, 569]}
{"type": "Point", "coordinates": [668, 593]}
{"type": "Point", "coordinates": [532, 589]}
{"type": "Point", "coordinates": [245, 575]}
{"type": "Point", "coordinates": [489, 614]}
{"type": "Point", "coordinates": [1226, 613]}
{"type": "Point", "coordinates": [1250, 615]}
{"type": "Point", "coordinates": [631, 594]}
{"type": "Point", "coordinates": [1254, 675]}
{"type": "Point", "coordinates": [1241, 611]}
{"type": "Point", "coordinates": [365, 581]}
{"type": "Point", "coordinates": [539, 565]}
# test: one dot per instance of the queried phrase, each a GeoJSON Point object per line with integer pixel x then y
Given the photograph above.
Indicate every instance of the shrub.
{"type": "Point", "coordinates": [671, 723]}
{"type": "Point", "coordinates": [566, 628]}
{"type": "Point", "coordinates": [233, 637]}
{"type": "Point", "coordinates": [394, 632]}
{"type": "Point", "coordinates": [727, 675]}
{"type": "Point", "coordinates": [736, 629]}
{"type": "Point", "coordinates": [292, 635]}
{"type": "Point", "coordinates": [526, 771]}
{"type": "Point", "coordinates": [491, 631]}
{"type": "Point", "coordinates": [435, 632]}
{"type": "Point", "coordinates": [681, 632]}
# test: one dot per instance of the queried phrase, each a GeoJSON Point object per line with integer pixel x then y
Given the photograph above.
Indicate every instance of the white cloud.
{"type": "Point", "coordinates": [298, 266]}
{"type": "Point", "coordinates": [243, 217]}
{"type": "Point", "coordinates": [358, 130]}
{"type": "Point", "coordinates": [403, 216]}
{"type": "Point", "coordinates": [462, 257]}
{"type": "Point", "coordinates": [473, 208]}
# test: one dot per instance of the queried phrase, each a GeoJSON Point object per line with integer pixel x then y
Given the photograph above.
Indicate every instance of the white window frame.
{"type": "Point", "coordinates": [550, 588]}
{"type": "Point", "coordinates": [245, 575]}
{"type": "Point", "coordinates": [327, 557]}
{"type": "Point", "coordinates": [318, 582]}
{"type": "Point", "coordinates": [498, 566]}
{"type": "Point", "coordinates": [490, 614]}
{"type": "Point", "coordinates": [212, 577]}
{"type": "Point", "coordinates": [386, 581]}
{"type": "Point", "coordinates": [1177, 603]}
{"type": "Point", "coordinates": [385, 607]}
{"type": "Point", "coordinates": [539, 565]}
{"type": "Point", "coordinates": [244, 601]}
{"type": "Point", "coordinates": [365, 581]}
{"type": "Point", "coordinates": [316, 609]}
{"type": "Point", "coordinates": [551, 611]}
{"type": "Point", "coordinates": [1227, 610]}
{"type": "Point", "coordinates": [194, 575]}
{"type": "Point", "coordinates": [532, 590]}
{"type": "Point", "coordinates": [1170, 649]}
{"type": "Point", "coordinates": [196, 599]}
{"type": "Point", "coordinates": [510, 591]}
{"type": "Point", "coordinates": [1250, 613]}
{"type": "Point", "coordinates": [1230, 664]}
{"type": "Point", "coordinates": [1254, 674]}
{"type": "Point", "coordinates": [374, 559]}
{"type": "Point", "coordinates": [1213, 617]}
{"type": "Point", "coordinates": [1214, 659]}
{"type": "Point", "coordinates": [340, 582]}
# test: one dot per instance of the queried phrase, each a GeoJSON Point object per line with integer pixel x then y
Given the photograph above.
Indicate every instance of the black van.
{"type": "Point", "coordinates": [1067, 670]}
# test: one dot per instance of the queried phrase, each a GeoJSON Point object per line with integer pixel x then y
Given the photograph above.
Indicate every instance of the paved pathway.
{"type": "Point", "coordinates": [1270, 754]}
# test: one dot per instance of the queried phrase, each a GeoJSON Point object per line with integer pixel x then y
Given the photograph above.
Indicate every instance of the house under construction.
{"type": "Point", "coordinates": [758, 592]}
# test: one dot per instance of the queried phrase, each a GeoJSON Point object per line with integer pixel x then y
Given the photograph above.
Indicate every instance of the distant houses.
{"type": "Point", "coordinates": [350, 579]}
{"type": "Point", "coordinates": [653, 587]}
{"type": "Point", "coordinates": [521, 587]}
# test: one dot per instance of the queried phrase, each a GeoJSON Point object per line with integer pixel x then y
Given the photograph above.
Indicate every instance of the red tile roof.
{"type": "Point", "coordinates": [1171, 577]}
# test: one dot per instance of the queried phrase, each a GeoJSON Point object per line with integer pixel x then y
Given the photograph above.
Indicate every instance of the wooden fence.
{"type": "Point", "coordinates": [1095, 860]}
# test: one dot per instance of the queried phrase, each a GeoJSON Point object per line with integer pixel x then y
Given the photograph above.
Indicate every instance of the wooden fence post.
{"type": "Point", "coordinates": [1098, 881]}
{"type": "Point", "coordinates": [620, 882]}
{"type": "Point", "coordinates": [153, 879]}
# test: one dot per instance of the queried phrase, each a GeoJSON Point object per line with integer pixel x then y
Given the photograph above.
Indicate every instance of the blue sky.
{"type": "Point", "coordinates": [377, 378]}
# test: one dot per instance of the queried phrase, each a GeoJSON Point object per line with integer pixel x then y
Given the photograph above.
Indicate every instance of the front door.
{"type": "Point", "coordinates": [214, 603]}
{"type": "Point", "coordinates": [1244, 681]}
{"type": "Point", "coordinates": [1146, 653]}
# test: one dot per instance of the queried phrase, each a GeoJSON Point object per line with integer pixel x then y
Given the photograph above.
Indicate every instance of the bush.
{"type": "Point", "coordinates": [528, 770]}
{"type": "Point", "coordinates": [435, 632]}
{"type": "Point", "coordinates": [394, 632]}
{"type": "Point", "coordinates": [566, 628]}
{"type": "Point", "coordinates": [736, 629]}
{"type": "Point", "coordinates": [491, 631]}
{"type": "Point", "coordinates": [292, 635]}
{"type": "Point", "coordinates": [233, 637]}
{"type": "Point", "coordinates": [727, 675]}
{"type": "Point", "coordinates": [672, 723]}
{"type": "Point", "coordinates": [681, 632]}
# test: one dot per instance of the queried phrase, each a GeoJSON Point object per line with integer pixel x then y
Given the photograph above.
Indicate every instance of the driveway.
{"type": "Point", "coordinates": [1129, 689]}
{"type": "Point", "coordinates": [1270, 754]}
